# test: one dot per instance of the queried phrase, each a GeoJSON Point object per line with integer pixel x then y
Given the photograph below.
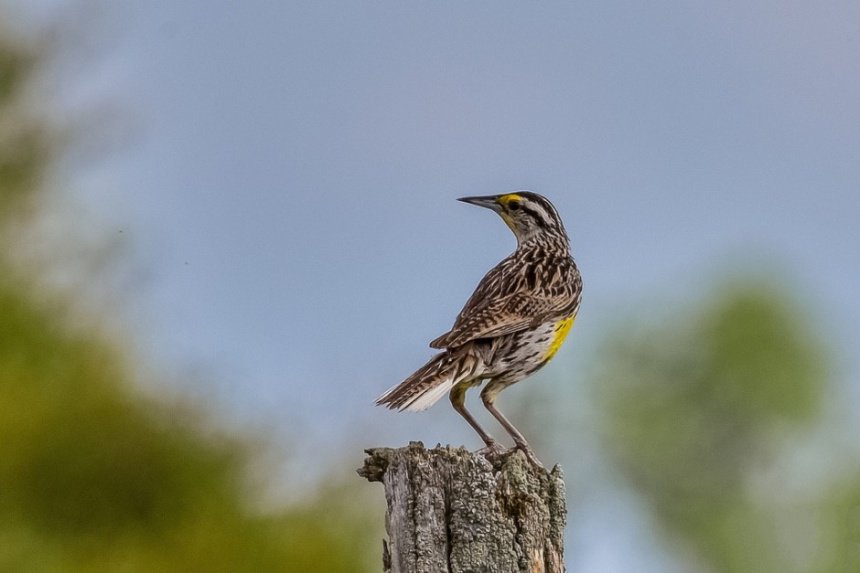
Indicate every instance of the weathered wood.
{"type": "Point", "coordinates": [453, 511]}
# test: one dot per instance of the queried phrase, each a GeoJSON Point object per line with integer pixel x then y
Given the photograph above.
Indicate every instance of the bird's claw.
{"type": "Point", "coordinates": [530, 455]}
{"type": "Point", "coordinates": [493, 451]}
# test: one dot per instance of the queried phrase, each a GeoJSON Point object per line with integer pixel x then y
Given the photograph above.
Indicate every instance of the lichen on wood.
{"type": "Point", "coordinates": [453, 511]}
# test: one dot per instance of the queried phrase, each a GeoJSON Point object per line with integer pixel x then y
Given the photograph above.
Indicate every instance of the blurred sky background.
{"type": "Point", "coordinates": [286, 173]}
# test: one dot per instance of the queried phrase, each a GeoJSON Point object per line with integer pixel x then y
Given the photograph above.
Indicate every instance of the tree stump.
{"type": "Point", "coordinates": [453, 511]}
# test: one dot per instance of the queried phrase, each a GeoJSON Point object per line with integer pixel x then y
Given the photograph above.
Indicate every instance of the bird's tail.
{"type": "Point", "coordinates": [430, 382]}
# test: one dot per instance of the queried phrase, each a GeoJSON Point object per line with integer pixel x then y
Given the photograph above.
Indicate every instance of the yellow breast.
{"type": "Point", "coordinates": [562, 327]}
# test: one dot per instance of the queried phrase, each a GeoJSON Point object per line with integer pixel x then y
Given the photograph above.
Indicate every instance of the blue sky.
{"type": "Point", "coordinates": [289, 184]}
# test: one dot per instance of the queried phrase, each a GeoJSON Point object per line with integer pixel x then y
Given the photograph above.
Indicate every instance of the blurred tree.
{"type": "Point", "coordinates": [93, 476]}
{"type": "Point", "coordinates": [701, 411]}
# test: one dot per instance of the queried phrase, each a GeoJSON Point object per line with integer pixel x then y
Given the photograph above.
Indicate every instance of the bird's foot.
{"type": "Point", "coordinates": [493, 451]}
{"type": "Point", "coordinates": [530, 455]}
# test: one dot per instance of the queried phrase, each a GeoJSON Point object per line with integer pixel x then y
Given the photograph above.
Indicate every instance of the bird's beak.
{"type": "Point", "coordinates": [488, 201]}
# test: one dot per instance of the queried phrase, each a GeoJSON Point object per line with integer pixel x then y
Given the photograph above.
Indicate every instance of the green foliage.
{"type": "Point", "coordinates": [93, 476]}
{"type": "Point", "coordinates": [839, 515]}
{"type": "Point", "coordinates": [26, 144]}
{"type": "Point", "coordinates": [698, 413]}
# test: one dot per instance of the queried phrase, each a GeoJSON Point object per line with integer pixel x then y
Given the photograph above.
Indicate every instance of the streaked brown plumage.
{"type": "Point", "coordinates": [513, 323]}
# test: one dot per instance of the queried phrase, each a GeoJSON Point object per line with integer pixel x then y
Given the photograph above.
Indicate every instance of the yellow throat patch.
{"type": "Point", "coordinates": [562, 328]}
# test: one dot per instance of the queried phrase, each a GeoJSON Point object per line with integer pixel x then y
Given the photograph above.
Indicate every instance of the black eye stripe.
{"type": "Point", "coordinates": [530, 211]}
{"type": "Point", "coordinates": [539, 216]}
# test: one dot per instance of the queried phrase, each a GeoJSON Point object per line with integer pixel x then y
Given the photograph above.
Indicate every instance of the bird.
{"type": "Point", "coordinates": [513, 324]}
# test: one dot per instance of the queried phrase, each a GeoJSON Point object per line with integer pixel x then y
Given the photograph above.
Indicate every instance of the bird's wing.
{"type": "Point", "coordinates": [503, 316]}
{"type": "Point", "coordinates": [507, 302]}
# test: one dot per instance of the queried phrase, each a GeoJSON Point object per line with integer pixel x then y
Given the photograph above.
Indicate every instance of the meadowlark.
{"type": "Point", "coordinates": [513, 324]}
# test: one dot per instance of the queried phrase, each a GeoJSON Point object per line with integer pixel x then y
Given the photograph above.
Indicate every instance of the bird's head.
{"type": "Point", "coordinates": [528, 214]}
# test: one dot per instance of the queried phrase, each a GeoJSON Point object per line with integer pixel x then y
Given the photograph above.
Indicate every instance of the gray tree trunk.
{"type": "Point", "coordinates": [452, 511]}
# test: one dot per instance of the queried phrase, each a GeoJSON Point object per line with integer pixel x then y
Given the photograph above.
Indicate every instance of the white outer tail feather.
{"type": "Point", "coordinates": [432, 381]}
{"type": "Point", "coordinates": [424, 400]}
{"type": "Point", "coordinates": [430, 397]}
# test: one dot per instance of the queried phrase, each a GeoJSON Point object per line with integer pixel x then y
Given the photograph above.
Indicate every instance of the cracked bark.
{"type": "Point", "coordinates": [452, 511]}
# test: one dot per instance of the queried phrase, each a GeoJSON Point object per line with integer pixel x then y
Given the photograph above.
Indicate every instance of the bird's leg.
{"type": "Point", "coordinates": [458, 400]}
{"type": "Point", "coordinates": [488, 396]}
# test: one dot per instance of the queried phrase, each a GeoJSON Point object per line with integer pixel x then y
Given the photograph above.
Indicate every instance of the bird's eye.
{"type": "Point", "coordinates": [514, 205]}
